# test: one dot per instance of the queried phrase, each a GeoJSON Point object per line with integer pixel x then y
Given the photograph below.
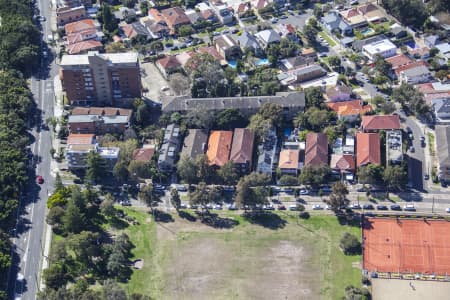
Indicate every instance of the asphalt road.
{"type": "Point", "coordinates": [29, 241]}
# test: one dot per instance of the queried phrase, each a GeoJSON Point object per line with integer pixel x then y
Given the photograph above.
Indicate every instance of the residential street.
{"type": "Point", "coordinates": [29, 242]}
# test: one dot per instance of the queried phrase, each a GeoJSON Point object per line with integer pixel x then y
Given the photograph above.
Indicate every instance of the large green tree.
{"type": "Point", "coordinates": [96, 167]}
{"type": "Point", "coordinates": [314, 175]}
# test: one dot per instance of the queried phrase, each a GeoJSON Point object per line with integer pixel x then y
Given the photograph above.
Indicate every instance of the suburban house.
{"type": "Point", "coordinates": [144, 154]}
{"type": "Point", "coordinates": [376, 123]}
{"type": "Point", "coordinates": [242, 149]}
{"type": "Point", "coordinates": [353, 17]}
{"type": "Point", "coordinates": [372, 13]}
{"type": "Point", "coordinates": [301, 74]}
{"type": "Point", "coordinates": [169, 151]}
{"type": "Point", "coordinates": [339, 92]}
{"type": "Point", "coordinates": [184, 57]}
{"type": "Point", "coordinates": [412, 65]}
{"type": "Point", "coordinates": [359, 44]}
{"type": "Point", "coordinates": [414, 75]}
{"type": "Point", "coordinates": [267, 151]}
{"type": "Point", "coordinates": [99, 120]}
{"type": "Point", "coordinates": [344, 164]}
{"type": "Point", "coordinates": [81, 25]}
{"type": "Point", "coordinates": [195, 143]}
{"type": "Point", "coordinates": [156, 29]}
{"type": "Point", "coordinates": [288, 31]}
{"type": "Point", "coordinates": [124, 13]}
{"type": "Point", "coordinates": [291, 63]}
{"type": "Point", "coordinates": [349, 144]}
{"type": "Point", "coordinates": [316, 152]}
{"type": "Point", "coordinates": [397, 31]}
{"type": "Point", "coordinates": [441, 109]}
{"type": "Point", "coordinates": [434, 91]}
{"type": "Point", "coordinates": [168, 65]}
{"type": "Point", "coordinates": [267, 37]}
{"type": "Point", "coordinates": [289, 162]}
{"type": "Point", "coordinates": [443, 152]}
{"type": "Point", "coordinates": [136, 30]}
{"type": "Point", "coordinates": [291, 102]}
{"type": "Point", "coordinates": [227, 47]}
{"type": "Point", "coordinates": [248, 42]}
{"type": "Point", "coordinates": [67, 14]}
{"type": "Point", "coordinates": [333, 21]}
{"type": "Point", "coordinates": [349, 110]}
{"type": "Point", "coordinates": [211, 50]}
{"type": "Point", "coordinates": [219, 147]}
{"type": "Point", "coordinates": [431, 41]}
{"type": "Point", "coordinates": [385, 48]}
{"type": "Point", "coordinates": [398, 61]}
{"type": "Point", "coordinates": [174, 18]}
{"type": "Point", "coordinates": [223, 12]}
{"type": "Point", "coordinates": [367, 149]}
{"type": "Point", "coordinates": [101, 79]}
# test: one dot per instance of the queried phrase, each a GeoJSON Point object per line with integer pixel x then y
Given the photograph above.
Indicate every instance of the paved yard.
{"type": "Point", "coordinates": [153, 81]}
{"type": "Point", "coordinates": [401, 289]}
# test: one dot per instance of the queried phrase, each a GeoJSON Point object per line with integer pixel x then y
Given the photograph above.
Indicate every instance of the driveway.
{"type": "Point", "coordinates": [297, 20]}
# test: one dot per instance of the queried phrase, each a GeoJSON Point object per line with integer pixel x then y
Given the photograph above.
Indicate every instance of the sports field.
{"type": "Point", "coordinates": [406, 246]}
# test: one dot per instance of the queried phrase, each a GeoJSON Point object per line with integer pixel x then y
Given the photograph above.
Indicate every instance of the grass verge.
{"type": "Point", "coordinates": [431, 144]}
{"type": "Point", "coordinates": [327, 38]}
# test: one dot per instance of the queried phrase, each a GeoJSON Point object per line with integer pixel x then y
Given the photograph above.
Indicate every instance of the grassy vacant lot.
{"type": "Point", "coordinates": [285, 258]}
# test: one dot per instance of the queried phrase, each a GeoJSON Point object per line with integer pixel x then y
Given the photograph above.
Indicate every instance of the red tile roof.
{"type": "Point", "coordinates": [78, 26]}
{"type": "Point", "coordinates": [242, 148]}
{"type": "Point", "coordinates": [169, 62]}
{"type": "Point", "coordinates": [380, 122]}
{"type": "Point", "coordinates": [368, 149]}
{"type": "Point", "coordinates": [289, 159]}
{"type": "Point", "coordinates": [143, 154]}
{"type": "Point", "coordinates": [211, 50]}
{"type": "Point", "coordinates": [219, 146]}
{"type": "Point", "coordinates": [343, 162]}
{"type": "Point", "coordinates": [349, 108]}
{"type": "Point", "coordinates": [316, 152]}
{"type": "Point", "coordinates": [80, 139]}
{"type": "Point", "coordinates": [81, 36]}
{"type": "Point", "coordinates": [399, 60]}
{"type": "Point", "coordinates": [84, 46]}
{"type": "Point", "coordinates": [175, 16]}
{"type": "Point", "coordinates": [101, 111]}
{"type": "Point", "coordinates": [410, 66]}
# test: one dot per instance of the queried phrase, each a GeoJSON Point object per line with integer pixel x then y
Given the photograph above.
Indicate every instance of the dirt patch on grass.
{"type": "Point", "coordinates": [208, 263]}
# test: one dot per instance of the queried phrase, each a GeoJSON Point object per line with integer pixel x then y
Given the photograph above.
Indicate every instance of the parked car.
{"type": "Point", "coordinates": [283, 17]}
{"type": "Point", "coordinates": [317, 207]}
{"type": "Point", "coordinates": [426, 176]}
{"type": "Point", "coordinates": [304, 192]}
{"type": "Point", "coordinates": [293, 207]}
{"type": "Point", "coordinates": [268, 207]}
{"type": "Point", "coordinates": [218, 206]}
{"type": "Point", "coordinates": [396, 207]}
{"type": "Point", "coordinates": [159, 187]}
{"type": "Point", "coordinates": [40, 179]}
{"type": "Point", "coordinates": [125, 203]}
{"type": "Point", "coordinates": [232, 207]}
{"type": "Point", "coordinates": [367, 206]}
{"type": "Point", "coordinates": [355, 206]}
{"type": "Point", "coordinates": [179, 187]}
{"type": "Point", "coordinates": [447, 210]}
{"type": "Point", "coordinates": [382, 207]}
{"type": "Point", "coordinates": [412, 149]}
{"type": "Point", "coordinates": [183, 206]}
{"type": "Point", "coordinates": [281, 207]}
{"type": "Point", "coordinates": [409, 207]}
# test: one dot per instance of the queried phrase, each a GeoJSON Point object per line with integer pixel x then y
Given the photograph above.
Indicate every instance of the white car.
{"type": "Point", "coordinates": [218, 206]}
{"type": "Point", "coordinates": [409, 207]}
{"type": "Point", "coordinates": [317, 207]}
{"type": "Point", "coordinates": [447, 210]}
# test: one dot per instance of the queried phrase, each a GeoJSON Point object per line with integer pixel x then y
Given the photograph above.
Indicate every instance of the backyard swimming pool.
{"type": "Point", "coordinates": [367, 31]}
{"type": "Point", "coordinates": [232, 63]}
{"type": "Point", "coordinates": [262, 62]}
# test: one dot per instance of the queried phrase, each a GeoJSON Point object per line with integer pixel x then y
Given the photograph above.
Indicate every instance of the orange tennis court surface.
{"type": "Point", "coordinates": [406, 246]}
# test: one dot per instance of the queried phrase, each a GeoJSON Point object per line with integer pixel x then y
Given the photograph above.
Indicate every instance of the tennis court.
{"type": "Point", "coordinates": [406, 246]}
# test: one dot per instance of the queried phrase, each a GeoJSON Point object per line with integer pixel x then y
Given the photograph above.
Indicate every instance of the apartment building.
{"type": "Point", "coordinates": [66, 14]}
{"type": "Point", "coordinates": [101, 79]}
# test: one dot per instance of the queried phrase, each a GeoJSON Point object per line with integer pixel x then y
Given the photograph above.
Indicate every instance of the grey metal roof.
{"type": "Point", "coordinates": [284, 99]}
{"type": "Point", "coordinates": [195, 143]}
{"type": "Point", "coordinates": [359, 44]}
{"type": "Point", "coordinates": [248, 40]}
{"type": "Point", "coordinates": [168, 152]}
{"type": "Point", "coordinates": [95, 118]}
{"type": "Point", "coordinates": [419, 70]}
{"type": "Point", "coordinates": [442, 106]}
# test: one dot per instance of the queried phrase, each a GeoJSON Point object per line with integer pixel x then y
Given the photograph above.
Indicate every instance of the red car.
{"type": "Point", "coordinates": [40, 179]}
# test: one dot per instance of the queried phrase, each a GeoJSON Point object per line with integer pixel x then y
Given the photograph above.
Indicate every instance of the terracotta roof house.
{"type": "Point", "coordinates": [399, 61]}
{"type": "Point", "coordinates": [211, 50]}
{"type": "Point", "coordinates": [81, 25]}
{"type": "Point", "coordinates": [99, 120]}
{"type": "Point", "coordinates": [144, 154]}
{"type": "Point", "coordinates": [84, 47]}
{"type": "Point", "coordinates": [81, 139]}
{"type": "Point", "coordinates": [219, 147]}
{"type": "Point", "coordinates": [316, 151]}
{"type": "Point", "coordinates": [156, 16]}
{"type": "Point", "coordinates": [339, 93]}
{"type": "Point", "coordinates": [371, 12]}
{"type": "Point", "coordinates": [195, 143]}
{"type": "Point", "coordinates": [242, 149]}
{"type": "Point", "coordinates": [183, 57]}
{"type": "Point", "coordinates": [289, 161]}
{"type": "Point", "coordinates": [343, 163]}
{"type": "Point", "coordinates": [353, 17]}
{"type": "Point", "coordinates": [380, 122]}
{"type": "Point", "coordinates": [168, 65]}
{"type": "Point", "coordinates": [367, 149]}
{"type": "Point", "coordinates": [175, 17]}
{"type": "Point", "coordinates": [349, 110]}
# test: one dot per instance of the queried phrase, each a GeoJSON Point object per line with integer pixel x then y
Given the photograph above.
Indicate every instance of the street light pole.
{"type": "Point", "coordinates": [432, 207]}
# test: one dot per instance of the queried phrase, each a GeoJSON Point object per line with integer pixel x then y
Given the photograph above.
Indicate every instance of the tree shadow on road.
{"type": "Point", "coordinates": [265, 219]}
{"type": "Point", "coordinates": [161, 216]}
{"type": "Point", "coordinates": [214, 220]}
{"type": "Point", "coordinates": [187, 216]}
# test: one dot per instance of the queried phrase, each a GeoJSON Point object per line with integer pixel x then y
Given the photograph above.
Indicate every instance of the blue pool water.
{"type": "Point", "coordinates": [411, 45]}
{"type": "Point", "coordinates": [262, 62]}
{"type": "Point", "coordinates": [287, 132]}
{"type": "Point", "coordinates": [367, 31]}
{"type": "Point", "coordinates": [232, 64]}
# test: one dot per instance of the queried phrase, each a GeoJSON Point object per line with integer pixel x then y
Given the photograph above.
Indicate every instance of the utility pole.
{"type": "Point", "coordinates": [432, 207]}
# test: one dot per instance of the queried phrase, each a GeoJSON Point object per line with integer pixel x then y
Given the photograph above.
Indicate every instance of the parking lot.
{"type": "Point", "coordinates": [152, 81]}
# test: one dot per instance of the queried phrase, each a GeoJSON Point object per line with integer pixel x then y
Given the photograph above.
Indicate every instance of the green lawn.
{"type": "Point", "coordinates": [327, 38]}
{"type": "Point", "coordinates": [431, 144]}
{"type": "Point", "coordinates": [174, 255]}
